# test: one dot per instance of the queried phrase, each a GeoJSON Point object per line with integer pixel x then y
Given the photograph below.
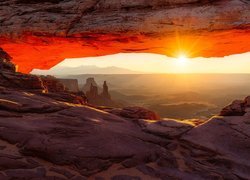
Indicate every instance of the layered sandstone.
{"type": "Point", "coordinates": [66, 29]}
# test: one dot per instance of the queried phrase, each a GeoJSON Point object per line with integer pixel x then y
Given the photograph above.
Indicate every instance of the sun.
{"type": "Point", "coordinates": [182, 58]}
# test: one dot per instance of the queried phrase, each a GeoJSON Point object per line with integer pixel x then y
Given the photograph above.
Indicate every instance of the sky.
{"type": "Point", "coordinates": [154, 63]}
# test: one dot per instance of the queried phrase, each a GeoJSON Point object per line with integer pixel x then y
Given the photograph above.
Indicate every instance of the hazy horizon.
{"type": "Point", "coordinates": [147, 63]}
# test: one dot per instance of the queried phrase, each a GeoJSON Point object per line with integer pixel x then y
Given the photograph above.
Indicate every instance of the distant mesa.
{"type": "Point", "coordinates": [94, 94]}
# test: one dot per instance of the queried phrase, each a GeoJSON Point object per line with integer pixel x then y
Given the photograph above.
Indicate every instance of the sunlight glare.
{"type": "Point", "coordinates": [182, 58]}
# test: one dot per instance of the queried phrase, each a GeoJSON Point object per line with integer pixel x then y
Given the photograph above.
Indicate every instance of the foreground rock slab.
{"type": "Point", "coordinates": [43, 138]}
{"type": "Point", "coordinates": [228, 137]}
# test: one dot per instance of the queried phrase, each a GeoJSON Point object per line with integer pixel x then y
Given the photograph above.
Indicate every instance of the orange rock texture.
{"type": "Point", "coordinates": [40, 34]}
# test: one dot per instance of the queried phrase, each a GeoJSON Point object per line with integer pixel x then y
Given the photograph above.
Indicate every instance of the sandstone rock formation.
{"type": "Point", "coordinates": [5, 62]}
{"type": "Point", "coordinates": [44, 85]}
{"type": "Point", "coordinates": [105, 92]}
{"type": "Point", "coordinates": [70, 84]}
{"type": "Point", "coordinates": [51, 84]}
{"type": "Point", "coordinates": [227, 139]}
{"type": "Point", "coordinates": [49, 133]}
{"type": "Point", "coordinates": [10, 78]}
{"type": "Point", "coordinates": [48, 136]}
{"type": "Point", "coordinates": [87, 85]}
{"type": "Point", "coordinates": [237, 108]}
{"type": "Point", "coordinates": [92, 93]}
{"type": "Point", "coordinates": [44, 138]}
{"type": "Point", "coordinates": [79, 28]}
{"type": "Point", "coordinates": [93, 96]}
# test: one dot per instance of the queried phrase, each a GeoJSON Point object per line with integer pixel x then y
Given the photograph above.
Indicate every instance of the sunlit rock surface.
{"type": "Point", "coordinates": [40, 34]}
{"type": "Point", "coordinates": [45, 138]}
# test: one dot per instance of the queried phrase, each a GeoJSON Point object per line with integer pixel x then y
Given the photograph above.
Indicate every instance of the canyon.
{"type": "Point", "coordinates": [69, 29]}
{"type": "Point", "coordinates": [50, 133]}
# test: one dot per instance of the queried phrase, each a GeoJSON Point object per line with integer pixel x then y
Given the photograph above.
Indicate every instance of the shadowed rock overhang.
{"type": "Point", "coordinates": [40, 34]}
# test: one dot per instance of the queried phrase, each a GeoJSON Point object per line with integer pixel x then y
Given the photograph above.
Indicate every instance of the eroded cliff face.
{"type": "Point", "coordinates": [47, 86]}
{"type": "Point", "coordinates": [40, 34]}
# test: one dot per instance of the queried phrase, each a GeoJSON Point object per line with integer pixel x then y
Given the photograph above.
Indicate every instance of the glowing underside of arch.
{"type": "Point", "coordinates": [43, 52]}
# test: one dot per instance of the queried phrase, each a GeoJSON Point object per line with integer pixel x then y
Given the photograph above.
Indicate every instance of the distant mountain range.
{"type": "Point", "coordinates": [61, 70]}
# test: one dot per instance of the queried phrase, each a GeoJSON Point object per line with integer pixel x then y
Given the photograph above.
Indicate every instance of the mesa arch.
{"type": "Point", "coordinates": [40, 34]}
